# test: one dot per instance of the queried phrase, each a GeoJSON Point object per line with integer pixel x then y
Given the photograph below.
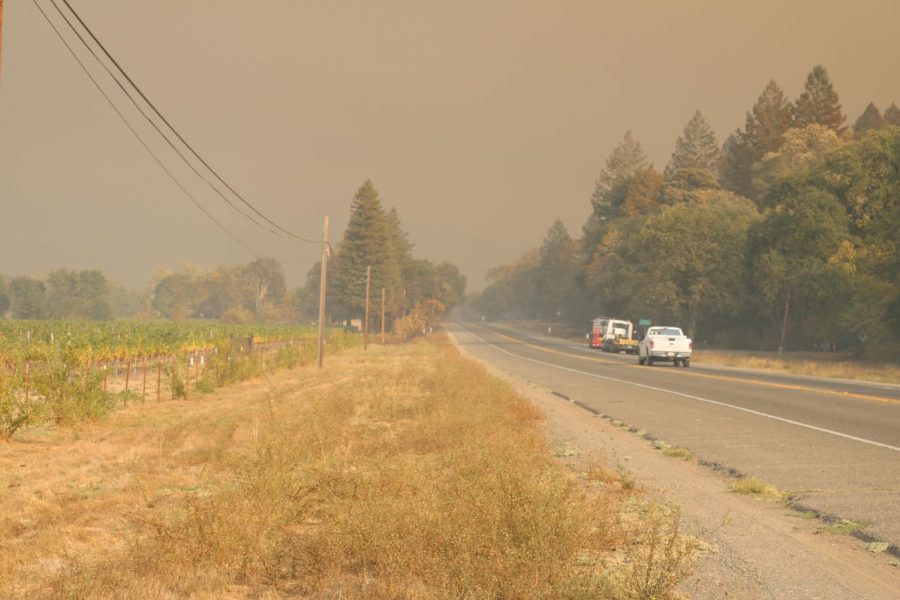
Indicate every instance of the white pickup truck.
{"type": "Point", "coordinates": [665, 343]}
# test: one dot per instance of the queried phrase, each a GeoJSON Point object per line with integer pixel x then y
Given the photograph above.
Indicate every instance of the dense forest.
{"type": "Point", "coordinates": [414, 288]}
{"type": "Point", "coordinates": [786, 234]}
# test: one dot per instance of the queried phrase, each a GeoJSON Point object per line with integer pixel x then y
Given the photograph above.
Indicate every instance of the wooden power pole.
{"type": "Point", "coordinates": [1, 35]}
{"type": "Point", "coordinates": [323, 286]}
{"type": "Point", "coordinates": [382, 316]}
{"type": "Point", "coordinates": [366, 324]}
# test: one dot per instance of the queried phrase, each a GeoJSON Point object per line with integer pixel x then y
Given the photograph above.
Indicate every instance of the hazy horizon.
{"type": "Point", "coordinates": [480, 122]}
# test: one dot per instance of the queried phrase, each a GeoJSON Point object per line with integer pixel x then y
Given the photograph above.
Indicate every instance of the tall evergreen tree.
{"type": "Point", "coordinates": [892, 116]}
{"type": "Point", "coordinates": [771, 116]}
{"type": "Point", "coordinates": [555, 272]}
{"type": "Point", "coordinates": [401, 257]}
{"type": "Point", "coordinates": [609, 190]}
{"type": "Point", "coordinates": [819, 103]}
{"type": "Point", "coordinates": [736, 163]}
{"type": "Point", "coordinates": [695, 148]}
{"type": "Point", "coordinates": [366, 242]}
{"type": "Point", "coordinates": [869, 120]}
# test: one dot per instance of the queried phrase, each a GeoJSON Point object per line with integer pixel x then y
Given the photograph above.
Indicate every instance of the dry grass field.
{"type": "Point", "coordinates": [799, 363]}
{"type": "Point", "coordinates": [401, 472]}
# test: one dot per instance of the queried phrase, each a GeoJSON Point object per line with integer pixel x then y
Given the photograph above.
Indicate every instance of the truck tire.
{"type": "Point", "coordinates": [649, 360]}
{"type": "Point", "coordinates": [685, 362]}
{"type": "Point", "coordinates": [641, 360]}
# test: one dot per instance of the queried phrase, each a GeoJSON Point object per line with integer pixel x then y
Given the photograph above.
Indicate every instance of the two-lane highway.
{"type": "Point", "coordinates": [834, 444]}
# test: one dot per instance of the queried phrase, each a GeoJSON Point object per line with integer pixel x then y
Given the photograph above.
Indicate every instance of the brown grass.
{"type": "Point", "coordinates": [804, 364]}
{"type": "Point", "coordinates": [756, 487]}
{"type": "Point", "coordinates": [404, 472]}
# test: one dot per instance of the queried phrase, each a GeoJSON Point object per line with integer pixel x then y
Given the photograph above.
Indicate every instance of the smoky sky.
{"type": "Point", "coordinates": [480, 121]}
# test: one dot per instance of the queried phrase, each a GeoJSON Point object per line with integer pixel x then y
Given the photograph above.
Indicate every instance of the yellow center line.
{"type": "Point", "coordinates": [783, 386]}
{"type": "Point", "coordinates": [550, 350]}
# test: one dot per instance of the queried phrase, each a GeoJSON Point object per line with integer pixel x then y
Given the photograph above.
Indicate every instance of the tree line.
{"type": "Point", "coordinates": [785, 235]}
{"type": "Point", "coordinates": [416, 290]}
{"type": "Point", "coordinates": [242, 293]}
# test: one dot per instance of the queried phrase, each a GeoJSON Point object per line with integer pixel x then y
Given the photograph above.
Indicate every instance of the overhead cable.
{"type": "Point", "coordinates": [154, 124]}
{"type": "Point", "coordinates": [178, 135]}
{"type": "Point", "coordinates": [138, 136]}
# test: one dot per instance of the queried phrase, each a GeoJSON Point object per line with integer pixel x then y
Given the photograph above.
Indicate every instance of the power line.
{"type": "Point", "coordinates": [177, 134]}
{"type": "Point", "coordinates": [138, 136]}
{"type": "Point", "coordinates": [154, 125]}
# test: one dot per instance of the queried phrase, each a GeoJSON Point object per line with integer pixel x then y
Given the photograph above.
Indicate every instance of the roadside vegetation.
{"type": "Point", "coordinates": [784, 237]}
{"type": "Point", "coordinates": [404, 471]}
{"type": "Point", "coordinates": [755, 487]}
{"type": "Point", "coordinates": [816, 364]}
{"type": "Point", "coordinates": [68, 372]}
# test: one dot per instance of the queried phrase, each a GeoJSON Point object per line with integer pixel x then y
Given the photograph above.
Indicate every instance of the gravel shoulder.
{"type": "Point", "coordinates": [755, 548]}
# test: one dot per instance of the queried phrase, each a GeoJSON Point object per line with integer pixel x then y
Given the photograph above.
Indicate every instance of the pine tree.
{"type": "Point", "coordinates": [819, 103]}
{"type": "Point", "coordinates": [736, 163]}
{"type": "Point", "coordinates": [626, 159]}
{"type": "Point", "coordinates": [366, 242]}
{"type": "Point", "coordinates": [771, 116]}
{"type": "Point", "coordinates": [869, 120]}
{"type": "Point", "coordinates": [696, 148]}
{"type": "Point", "coordinates": [401, 252]}
{"type": "Point", "coordinates": [555, 272]}
{"type": "Point", "coordinates": [892, 116]}
{"type": "Point", "coordinates": [400, 243]}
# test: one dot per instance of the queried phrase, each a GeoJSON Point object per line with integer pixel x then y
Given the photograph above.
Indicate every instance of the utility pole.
{"type": "Point", "coordinates": [366, 325]}
{"type": "Point", "coordinates": [1, 33]}
{"type": "Point", "coordinates": [323, 286]}
{"type": "Point", "coordinates": [784, 323]}
{"type": "Point", "coordinates": [382, 316]}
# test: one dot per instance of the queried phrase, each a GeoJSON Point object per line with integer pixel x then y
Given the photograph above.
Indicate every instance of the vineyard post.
{"type": "Point", "coordinates": [323, 286]}
{"type": "Point", "coordinates": [27, 378]}
{"type": "Point", "coordinates": [366, 324]}
{"type": "Point", "coordinates": [127, 372]}
{"type": "Point", "coordinates": [144, 385]}
{"type": "Point", "coordinates": [158, 377]}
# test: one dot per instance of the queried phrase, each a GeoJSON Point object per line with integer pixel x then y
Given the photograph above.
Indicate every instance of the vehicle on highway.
{"type": "Point", "coordinates": [613, 335]}
{"type": "Point", "coordinates": [598, 327]}
{"type": "Point", "coordinates": [665, 344]}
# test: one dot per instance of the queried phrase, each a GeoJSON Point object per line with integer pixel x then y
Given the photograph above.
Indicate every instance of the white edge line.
{"type": "Point", "coordinates": [707, 400]}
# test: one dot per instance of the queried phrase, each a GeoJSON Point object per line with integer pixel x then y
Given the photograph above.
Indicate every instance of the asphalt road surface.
{"type": "Point", "coordinates": [833, 444]}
